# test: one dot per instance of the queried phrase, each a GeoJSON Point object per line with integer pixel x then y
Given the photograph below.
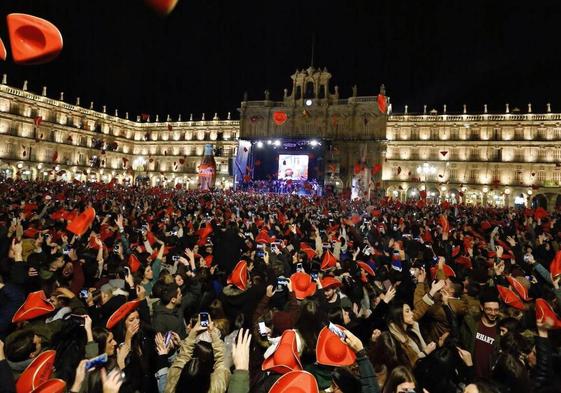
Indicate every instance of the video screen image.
{"type": "Point", "coordinates": [293, 167]}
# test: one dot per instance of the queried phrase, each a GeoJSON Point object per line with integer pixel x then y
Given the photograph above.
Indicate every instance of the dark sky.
{"type": "Point", "coordinates": [208, 52]}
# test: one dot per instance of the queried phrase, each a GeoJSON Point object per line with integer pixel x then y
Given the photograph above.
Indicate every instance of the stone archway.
{"type": "Point", "coordinates": [413, 194]}
{"type": "Point", "coordinates": [539, 200]}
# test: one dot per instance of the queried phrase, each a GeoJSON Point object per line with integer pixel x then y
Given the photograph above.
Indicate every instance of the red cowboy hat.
{"type": "Point", "coordinates": [331, 351]}
{"type": "Point", "coordinates": [35, 305]}
{"type": "Point", "coordinates": [366, 267]}
{"type": "Point", "coordinates": [121, 313]}
{"type": "Point", "coordinates": [80, 224]}
{"type": "Point", "coordinates": [555, 266]}
{"type": "Point", "coordinates": [448, 271]}
{"type": "Point", "coordinates": [204, 233]}
{"type": "Point", "coordinates": [509, 298]}
{"type": "Point", "coordinates": [545, 312]}
{"type": "Point", "coordinates": [295, 382]}
{"type": "Point", "coordinates": [238, 277]}
{"type": "Point", "coordinates": [464, 261]}
{"type": "Point", "coordinates": [310, 252]}
{"type": "Point", "coordinates": [134, 263]}
{"type": "Point", "coordinates": [38, 372]}
{"type": "Point", "coordinates": [520, 289]}
{"type": "Point", "coordinates": [302, 285]}
{"type": "Point", "coordinates": [34, 40]}
{"type": "Point", "coordinates": [328, 261]}
{"type": "Point", "coordinates": [51, 386]}
{"type": "Point", "coordinates": [263, 237]}
{"type": "Point", "coordinates": [330, 282]}
{"type": "Point", "coordinates": [285, 358]}
{"type": "Point", "coordinates": [455, 251]}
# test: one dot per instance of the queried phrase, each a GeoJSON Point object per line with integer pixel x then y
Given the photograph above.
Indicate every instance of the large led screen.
{"type": "Point", "coordinates": [293, 167]}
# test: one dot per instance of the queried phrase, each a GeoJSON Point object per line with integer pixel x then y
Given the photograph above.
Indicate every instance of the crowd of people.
{"type": "Point", "coordinates": [110, 288]}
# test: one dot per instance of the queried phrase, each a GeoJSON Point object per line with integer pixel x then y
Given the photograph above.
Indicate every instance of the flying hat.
{"type": "Point", "coordinates": [302, 285]}
{"type": "Point", "coordinates": [51, 386]}
{"type": "Point", "coordinates": [33, 40]}
{"type": "Point", "coordinates": [263, 237]}
{"type": "Point", "coordinates": [310, 252]}
{"type": "Point", "coordinates": [330, 282]}
{"type": "Point", "coordinates": [121, 313]}
{"type": "Point", "coordinates": [520, 289]}
{"type": "Point", "coordinates": [455, 251]}
{"type": "Point", "coordinates": [509, 298]}
{"type": "Point", "coordinates": [331, 351]}
{"type": "Point", "coordinates": [295, 382]}
{"type": "Point", "coordinates": [284, 357]}
{"type": "Point", "coordinates": [448, 271]}
{"type": "Point", "coordinates": [35, 305]}
{"type": "Point", "coordinates": [328, 261]}
{"type": "Point", "coordinates": [134, 263]}
{"type": "Point", "coordinates": [238, 277]}
{"type": "Point", "coordinates": [80, 224]}
{"type": "Point", "coordinates": [464, 261]}
{"type": "Point", "coordinates": [545, 312]}
{"type": "Point", "coordinates": [555, 266]}
{"type": "Point", "coordinates": [204, 233]}
{"type": "Point", "coordinates": [38, 372]}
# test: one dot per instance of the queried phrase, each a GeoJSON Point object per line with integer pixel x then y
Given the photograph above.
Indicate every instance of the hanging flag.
{"type": "Point", "coordinates": [376, 169]}
{"type": "Point", "coordinates": [55, 156]}
{"type": "Point", "coordinates": [382, 103]}
{"type": "Point", "coordinates": [37, 121]}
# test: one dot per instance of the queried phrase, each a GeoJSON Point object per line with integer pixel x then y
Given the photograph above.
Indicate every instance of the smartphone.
{"type": "Point", "coordinates": [281, 283]}
{"type": "Point", "coordinates": [366, 250]}
{"type": "Point", "coordinates": [262, 328]}
{"type": "Point", "coordinates": [337, 331]}
{"type": "Point", "coordinates": [260, 253]}
{"type": "Point", "coordinates": [526, 257]}
{"type": "Point", "coordinates": [79, 319]}
{"type": "Point", "coordinates": [247, 234]}
{"type": "Point", "coordinates": [299, 267]}
{"type": "Point", "coordinates": [116, 249]}
{"type": "Point", "coordinates": [175, 258]}
{"type": "Point", "coordinates": [167, 338]}
{"type": "Point", "coordinates": [315, 275]}
{"type": "Point", "coordinates": [204, 319]}
{"type": "Point", "coordinates": [326, 245]}
{"type": "Point", "coordinates": [83, 294]}
{"type": "Point", "coordinates": [67, 249]}
{"type": "Point", "coordinates": [97, 361]}
{"type": "Point", "coordinates": [413, 272]}
{"type": "Point", "coordinates": [259, 246]}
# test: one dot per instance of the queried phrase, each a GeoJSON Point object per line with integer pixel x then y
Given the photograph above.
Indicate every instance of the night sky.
{"type": "Point", "coordinates": [203, 56]}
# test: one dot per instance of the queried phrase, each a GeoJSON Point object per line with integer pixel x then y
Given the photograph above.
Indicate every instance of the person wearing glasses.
{"type": "Point", "coordinates": [481, 336]}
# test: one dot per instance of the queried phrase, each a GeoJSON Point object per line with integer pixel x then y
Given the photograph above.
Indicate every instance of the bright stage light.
{"type": "Point", "coordinates": [259, 144]}
{"type": "Point", "coordinates": [269, 142]}
{"type": "Point", "coordinates": [314, 143]}
{"type": "Point", "coordinates": [309, 102]}
{"type": "Point", "coordinates": [277, 143]}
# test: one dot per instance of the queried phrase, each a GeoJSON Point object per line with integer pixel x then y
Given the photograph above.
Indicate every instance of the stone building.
{"type": "Point", "coordinates": [44, 138]}
{"type": "Point", "coordinates": [352, 128]}
{"type": "Point", "coordinates": [491, 159]}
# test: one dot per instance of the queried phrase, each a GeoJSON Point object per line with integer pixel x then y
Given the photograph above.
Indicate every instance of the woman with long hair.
{"type": "Point", "coordinates": [400, 380]}
{"type": "Point", "coordinates": [403, 326]}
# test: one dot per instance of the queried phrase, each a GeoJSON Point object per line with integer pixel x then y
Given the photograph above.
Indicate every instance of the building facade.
{"type": "Point", "coordinates": [46, 139]}
{"type": "Point", "coordinates": [354, 128]}
{"type": "Point", "coordinates": [489, 159]}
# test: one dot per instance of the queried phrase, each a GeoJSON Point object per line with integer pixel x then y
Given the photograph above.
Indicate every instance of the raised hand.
{"type": "Point", "coordinates": [240, 350]}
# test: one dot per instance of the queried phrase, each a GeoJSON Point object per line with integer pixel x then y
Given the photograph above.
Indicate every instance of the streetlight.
{"type": "Point", "coordinates": [426, 170]}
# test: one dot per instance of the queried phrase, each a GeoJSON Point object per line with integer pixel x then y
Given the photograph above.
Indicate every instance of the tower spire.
{"type": "Point", "coordinates": [313, 49]}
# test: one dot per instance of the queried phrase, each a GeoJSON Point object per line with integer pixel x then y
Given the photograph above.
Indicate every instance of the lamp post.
{"type": "Point", "coordinates": [425, 170]}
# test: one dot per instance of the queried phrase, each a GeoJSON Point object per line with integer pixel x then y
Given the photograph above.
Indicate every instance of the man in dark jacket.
{"type": "Point", "coordinates": [169, 311]}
